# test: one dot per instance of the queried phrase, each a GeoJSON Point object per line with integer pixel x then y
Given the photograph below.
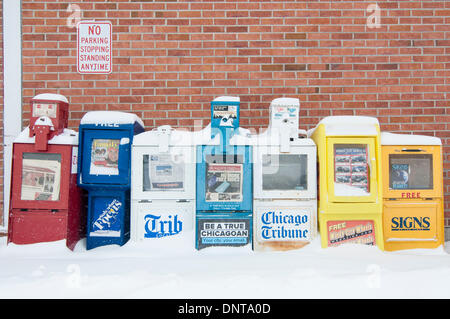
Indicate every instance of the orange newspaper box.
{"type": "Point", "coordinates": [413, 211]}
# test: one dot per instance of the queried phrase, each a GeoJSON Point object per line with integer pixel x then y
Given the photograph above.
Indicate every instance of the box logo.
{"type": "Point", "coordinates": [410, 223]}
{"type": "Point", "coordinates": [156, 227]}
{"type": "Point", "coordinates": [106, 221]}
{"type": "Point", "coordinates": [284, 226]}
{"type": "Point", "coordinates": [351, 232]}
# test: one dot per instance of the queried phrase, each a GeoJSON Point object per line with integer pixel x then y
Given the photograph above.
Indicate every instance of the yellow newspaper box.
{"type": "Point", "coordinates": [413, 208]}
{"type": "Point", "coordinates": [350, 188]}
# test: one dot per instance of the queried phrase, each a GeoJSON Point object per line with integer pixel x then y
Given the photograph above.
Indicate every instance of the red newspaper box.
{"type": "Point", "coordinates": [46, 203]}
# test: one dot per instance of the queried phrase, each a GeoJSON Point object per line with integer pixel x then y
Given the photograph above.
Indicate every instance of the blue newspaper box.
{"type": "Point", "coordinates": [104, 170]}
{"type": "Point", "coordinates": [224, 180]}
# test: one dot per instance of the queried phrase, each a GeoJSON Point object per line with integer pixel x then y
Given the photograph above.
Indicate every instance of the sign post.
{"type": "Point", "coordinates": [94, 47]}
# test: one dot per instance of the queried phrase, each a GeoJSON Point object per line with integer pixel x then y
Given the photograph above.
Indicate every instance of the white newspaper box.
{"type": "Point", "coordinates": [163, 185]}
{"type": "Point", "coordinates": [285, 182]}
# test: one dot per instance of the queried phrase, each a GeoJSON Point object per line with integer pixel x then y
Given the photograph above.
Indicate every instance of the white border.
{"type": "Point", "coordinates": [12, 84]}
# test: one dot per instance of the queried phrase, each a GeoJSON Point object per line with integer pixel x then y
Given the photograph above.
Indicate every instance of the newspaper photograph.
{"type": "Point", "coordinates": [351, 166]}
{"type": "Point", "coordinates": [227, 111]}
{"type": "Point", "coordinates": [399, 176]}
{"type": "Point", "coordinates": [166, 172]}
{"type": "Point", "coordinates": [104, 157]}
{"type": "Point", "coordinates": [224, 183]}
{"type": "Point", "coordinates": [40, 179]}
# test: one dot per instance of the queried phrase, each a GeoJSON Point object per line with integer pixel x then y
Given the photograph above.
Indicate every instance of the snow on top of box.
{"type": "Point", "coordinates": [227, 99]}
{"type": "Point", "coordinates": [310, 131]}
{"type": "Point", "coordinates": [408, 139]}
{"type": "Point", "coordinates": [242, 137]}
{"type": "Point", "coordinates": [348, 190]}
{"type": "Point", "coordinates": [184, 137]}
{"type": "Point", "coordinates": [67, 137]}
{"type": "Point", "coordinates": [271, 137]}
{"type": "Point", "coordinates": [344, 120]}
{"type": "Point", "coordinates": [203, 137]}
{"type": "Point", "coordinates": [177, 136]}
{"type": "Point", "coordinates": [51, 96]}
{"type": "Point", "coordinates": [24, 137]}
{"type": "Point", "coordinates": [109, 117]}
{"type": "Point", "coordinates": [155, 136]}
{"type": "Point", "coordinates": [285, 101]}
{"type": "Point", "coordinates": [348, 125]}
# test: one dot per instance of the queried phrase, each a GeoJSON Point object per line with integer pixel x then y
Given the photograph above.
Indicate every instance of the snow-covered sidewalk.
{"type": "Point", "coordinates": [147, 270]}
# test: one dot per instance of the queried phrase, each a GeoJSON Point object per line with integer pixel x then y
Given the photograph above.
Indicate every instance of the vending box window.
{"type": "Point", "coordinates": [46, 203]}
{"type": "Point", "coordinates": [285, 191]}
{"type": "Point", "coordinates": [163, 186]}
{"type": "Point", "coordinates": [224, 180]}
{"type": "Point", "coordinates": [350, 180]}
{"type": "Point", "coordinates": [104, 170]}
{"type": "Point", "coordinates": [413, 214]}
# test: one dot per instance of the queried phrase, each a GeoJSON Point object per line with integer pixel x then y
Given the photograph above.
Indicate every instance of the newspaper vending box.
{"type": "Point", "coordinates": [224, 180]}
{"type": "Point", "coordinates": [284, 181]}
{"type": "Point", "coordinates": [104, 170]}
{"type": "Point", "coordinates": [350, 189]}
{"type": "Point", "coordinates": [163, 185]}
{"type": "Point", "coordinates": [46, 203]}
{"type": "Point", "coordinates": [413, 212]}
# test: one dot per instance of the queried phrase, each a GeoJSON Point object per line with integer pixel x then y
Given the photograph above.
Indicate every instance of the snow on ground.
{"type": "Point", "coordinates": [177, 270]}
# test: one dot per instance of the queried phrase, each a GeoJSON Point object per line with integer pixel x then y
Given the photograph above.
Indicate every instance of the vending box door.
{"type": "Point", "coordinates": [285, 175]}
{"type": "Point", "coordinates": [36, 226]}
{"type": "Point", "coordinates": [405, 221]}
{"type": "Point", "coordinates": [412, 172]}
{"type": "Point", "coordinates": [352, 169]}
{"type": "Point", "coordinates": [105, 157]}
{"type": "Point", "coordinates": [224, 181]}
{"type": "Point", "coordinates": [168, 175]}
{"type": "Point", "coordinates": [164, 219]}
{"type": "Point", "coordinates": [41, 180]}
{"type": "Point", "coordinates": [108, 218]}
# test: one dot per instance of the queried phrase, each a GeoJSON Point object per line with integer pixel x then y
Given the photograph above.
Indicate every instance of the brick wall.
{"type": "Point", "coordinates": [171, 58]}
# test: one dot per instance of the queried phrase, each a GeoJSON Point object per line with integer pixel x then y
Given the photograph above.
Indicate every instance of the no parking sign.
{"type": "Point", "coordinates": [94, 47]}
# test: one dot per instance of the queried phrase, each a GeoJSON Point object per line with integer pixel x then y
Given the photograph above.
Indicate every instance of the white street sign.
{"type": "Point", "coordinates": [94, 47]}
